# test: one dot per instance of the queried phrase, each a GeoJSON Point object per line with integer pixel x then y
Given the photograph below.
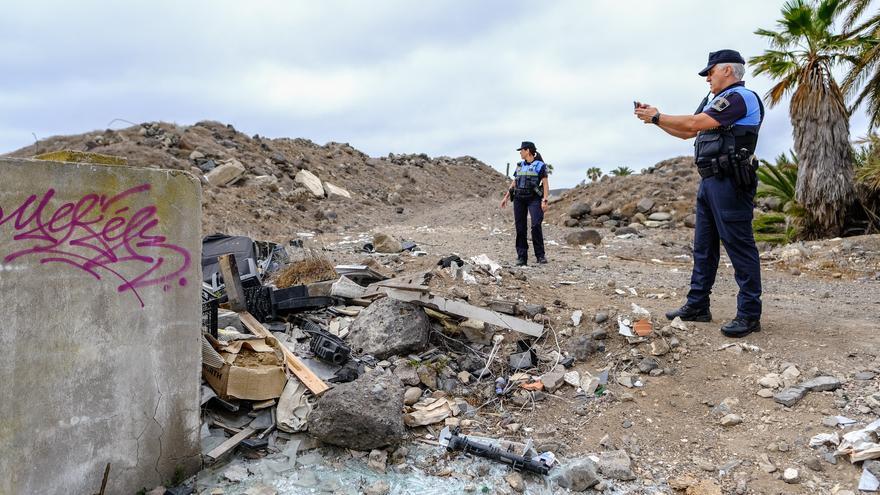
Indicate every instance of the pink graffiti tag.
{"type": "Point", "coordinates": [96, 234]}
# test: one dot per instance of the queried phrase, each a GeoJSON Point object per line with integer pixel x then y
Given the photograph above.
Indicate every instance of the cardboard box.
{"type": "Point", "coordinates": [252, 369]}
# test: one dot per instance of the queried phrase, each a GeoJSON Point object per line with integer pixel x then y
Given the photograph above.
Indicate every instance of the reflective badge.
{"type": "Point", "coordinates": [720, 103]}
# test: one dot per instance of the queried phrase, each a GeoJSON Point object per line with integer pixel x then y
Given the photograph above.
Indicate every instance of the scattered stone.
{"type": "Point", "coordinates": [790, 396]}
{"type": "Point", "coordinates": [261, 489]}
{"type": "Point", "coordinates": [601, 209]}
{"type": "Point", "coordinates": [765, 393]}
{"type": "Point", "coordinates": [821, 384]}
{"type": "Point", "coordinates": [579, 475]}
{"type": "Point", "coordinates": [791, 476]}
{"type": "Point", "coordinates": [311, 182]}
{"type": "Point", "coordinates": [582, 347]}
{"type": "Point", "coordinates": [378, 460]}
{"type": "Point", "coordinates": [616, 464]}
{"type": "Point", "coordinates": [770, 380]}
{"type": "Point", "coordinates": [626, 231]}
{"type": "Point", "coordinates": [516, 482]}
{"type": "Point", "coordinates": [790, 375]}
{"type": "Point", "coordinates": [385, 243]}
{"type": "Point", "coordinates": [225, 174]}
{"type": "Point", "coordinates": [552, 381]}
{"type": "Point", "coordinates": [578, 210]}
{"type": "Point", "coordinates": [645, 205]}
{"type": "Point", "coordinates": [363, 414]}
{"type": "Point", "coordinates": [581, 237]}
{"type": "Point", "coordinates": [380, 487]}
{"type": "Point", "coordinates": [336, 191]}
{"type": "Point", "coordinates": [814, 463]}
{"type": "Point", "coordinates": [573, 378]}
{"type": "Point", "coordinates": [659, 347]}
{"type": "Point", "coordinates": [731, 420]}
{"type": "Point", "coordinates": [236, 473]}
{"type": "Point", "coordinates": [406, 373]}
{"type": "Point", "coordinates": [412, 395]}
{"type": "Point", "coordinates": [601, 317]}
{"type": "Point", "coordinates": [389, 327]}
{"type": "Point", "coordinates": [660, 216]}
{"type": "Point", "coordinates": [647, 364]}
{"type": "Point", "coordinates": [690, 221]}
{"type": "Point", "coordinates": [427, 376]}
{"type": "Point", "coordinates": [576, 317]}
{"type": "Point", "coordinates": [865, 375]}
{"type": "Point", "coordinates": [766, 465]}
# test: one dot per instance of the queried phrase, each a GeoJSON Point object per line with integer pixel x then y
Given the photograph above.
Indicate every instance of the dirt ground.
{"type": "Point", "coordinates": [821, 324]}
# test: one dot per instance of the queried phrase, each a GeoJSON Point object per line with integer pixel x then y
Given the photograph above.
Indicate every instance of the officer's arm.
{"type": "Point", "coordinates": [686, 126]}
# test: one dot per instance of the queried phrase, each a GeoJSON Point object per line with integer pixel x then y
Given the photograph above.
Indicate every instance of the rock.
{"type": "Point", "coordinates": [573, 378]}
{"type": "Point", "coordinates": [516, 482]}
{"type": "Point", "coordinates": [582, 347]}
{"type": "Point", "coordinates": [640, 218]}
{"type": "Point", "coordinates": [617, 465]}
{"type": "Point", "coordinates": [579, 475]}
{"type": "Point", "coordinates": [645, 205]}
{"type": "Point", "coordinates": [865, 375]}
{"type": "Point", "coordinates": [765, 393]}
{"type": "Point", "coordinates": [581, 237]}
{"type": "Point", "coordinates": [224, 174]}
{"type": "Point", "coordinates": [791, 476]}
{"type": "Point", "coordinates": [236, 473]}
{"type": "Point", "coordinates": [427, 376]}
{"type": "Point", "coordinates": [336, 191]}
{"type": "Point", "coordinates": [659, 347]}
{"type": "Point", "coordinates": [770, 380]}
{"type": "Point", "coordinates": [464, 377]}
{"type": "Point", "coordinates": [647, 364]}
{"type": "Point", "coordinates": [660, 216]}
{"type": "Point", "coordinates": [406, 373]}
{"type": "Point", "coordinates": [389, 327]}
{"type": "Point", "coordinates": [821, 384]}
{"type": "Point", "coordinates": [311, 182]}
{"type": "Point", "coordinates": [690, 221]}
{"type": "Point", "coordinates": [412, 395]}
{"type": "Point", "coordinates": [364, 414]}
{"type": "Point", "coordinates": [766, 464]}
{"type": "Point", "coordinates": [576, 317]}
{"type": "Point", "coordinates": [599, 334]}
{"type": "Point", "coordinates": [814, 464]}
{"type": "Point", "coordinates": [380, 487]}
{"type": "Point", "coordinates": [578, 210]}
{"type": "Point", "coordinates": [385, 243]}
{"type": "Point", "coordinates": [731, 420]}
{"type": "Point", "coordinates": [571, 222]}
{"type": "Point", "coordinates": [261, 489]}
{"type": "Point", "coordinates": [790, 375]}
{"type": "Point", "coordinates": [394, 198]}
{"type": "Point", "coordinates": [653, 224]}
{"type": "Point", "coordinates": [476, 331]}
{"type": "Point", "coordinates": [601, 317]}
{"type": "Point", "coordinates": [790, 396]}
{"type": "Point", "coordinates": [626, 231]}
{"type": "Point", "coordinates": [378, 460]}
{"type": "Point", "coordinates": [552, 380]}
{"type": "Point", "coordinates": [602, 209]}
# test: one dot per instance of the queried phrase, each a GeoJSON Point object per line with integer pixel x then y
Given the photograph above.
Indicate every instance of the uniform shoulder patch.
{"type": "Point", "coordinates": [720, 103]}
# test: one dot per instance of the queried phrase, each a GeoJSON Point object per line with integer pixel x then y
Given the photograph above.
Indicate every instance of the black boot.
{"type": "Point", "coordinates": [690, 313]}
{"type": "Point", "coordinates": [740, 327]}
{"type": "Point", "coordinates": [521, 262]}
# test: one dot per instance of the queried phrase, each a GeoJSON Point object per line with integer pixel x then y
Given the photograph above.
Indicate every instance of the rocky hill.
{"type": "Point", "coordinates": [265, 198]}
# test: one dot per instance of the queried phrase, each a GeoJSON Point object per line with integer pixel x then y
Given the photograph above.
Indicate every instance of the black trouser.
{"type": "Point", "coordinates": [532, 206]}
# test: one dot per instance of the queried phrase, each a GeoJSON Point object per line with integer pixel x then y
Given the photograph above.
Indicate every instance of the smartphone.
{"type": "Point", "coordinates": [635, 105]}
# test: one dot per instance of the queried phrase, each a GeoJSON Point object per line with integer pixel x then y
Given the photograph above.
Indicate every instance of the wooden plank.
{"type": "Point", "coordinates": [232, 281]}
{"type": "Point", "coordinates": [465, 310]}
{"type": "Point", "coordinates": [230, 443]}
{"type": "Point", "coordinates": [305, 375]}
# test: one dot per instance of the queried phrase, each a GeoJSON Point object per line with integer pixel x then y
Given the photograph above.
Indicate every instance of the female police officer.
{"type": "Point", "coordinates": [529, 190]}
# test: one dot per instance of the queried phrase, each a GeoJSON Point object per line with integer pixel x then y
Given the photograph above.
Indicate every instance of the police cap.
{"type": "Point", "coordinates": [527, 145]}
{"type": "Point", "coordinates": [722, 57]}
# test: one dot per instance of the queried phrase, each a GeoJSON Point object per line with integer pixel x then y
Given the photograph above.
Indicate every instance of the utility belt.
{"type": "Point", "coordinates": [526, 193]}
{"type": "Point", "coordinates": [740, 167]}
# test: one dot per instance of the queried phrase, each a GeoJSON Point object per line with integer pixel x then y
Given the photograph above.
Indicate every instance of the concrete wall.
{"type": "Point", "coordinates": [99, 326]}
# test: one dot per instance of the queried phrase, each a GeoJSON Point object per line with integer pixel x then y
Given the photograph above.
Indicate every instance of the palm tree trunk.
{"type": "Point", "coordinates": [821, 141]}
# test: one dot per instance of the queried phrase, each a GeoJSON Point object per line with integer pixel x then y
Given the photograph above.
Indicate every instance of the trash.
{"type": "Point", "coordinates": [532, 386]}
{"type": "Point", "coordinates": [326, 346]}
{"type": "Point", "coordinates": [861, 444]}
{"type": "Point", "coordinates": [500, 383]}
{"type": "Point", "coordinates": [490, 266]}
{"type": "Point", "coordinates": [825, 439]}
{"type": "Point", "coordinates": [678, 324]}
{"type": "Point", "coordinates": [429, 411]}
{"type": "Point", "coordinates": [525, 358]}
{"type": "Point", "coordinates": [346, 288]}
{"type": "Point", "coordinates": [293, 408]}
{"type": "Point", "coordinates": [624, 327]}
{"type": "Point", "coordinates": [506, 307]}
{"type": "Point", "coordinates": [408, 246]}
{"type": "Point", "coordinates": [640, 312]}
{"type": "Point", "coordinates": [576, 317]}
{"type": "Point", "coordinates": [868, 482]}
{"type": "Point", "coordinates": [525, 461]}
{"type": "Point", "coordinates": [573, 378]}
{"type": "Point", "coordinates": [449, 260]}
{"type": "Point", "coordinates": [643, 328]}
{"type": "Point", "coordinates": [251, 369]}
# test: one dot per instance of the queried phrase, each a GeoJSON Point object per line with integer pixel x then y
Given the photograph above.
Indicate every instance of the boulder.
{"type": "Point", "coordinates": [587, 236]}
{"type": "Point", "coordinates": [226, 173]}
{"type": "Point", "coordinates": [578, 210]}
{"type": "Point", "coordinates": [660, 216]}
{"type": "Point", "coordinates": [311, 182]}
{"type": "Point", "coordinates": [389, 327]}
{"type": "Point", "coordinates": [645, 205]}
{"type": "Point", "coordinates": [578, 476]}
{"type": "Point", "coordinates": [336, 191]}
{"type": "Point", "coordinates": [385, 243]}
{"type": "Point", "coordinates": [617, 465]}
{"type": "Point", "coordinates": [362, 415]}
{"type": "Point", "coordinates": [599, 210]}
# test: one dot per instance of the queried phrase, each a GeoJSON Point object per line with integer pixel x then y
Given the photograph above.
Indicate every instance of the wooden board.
{"type": "Point", "coordinates": [232, 281]}
{"type": "Point", "coordinates": [297, 367]}
{"type": "Point", "coordinates": [230, 443]}
{"type": "Point", "coordinates": [465, 310]}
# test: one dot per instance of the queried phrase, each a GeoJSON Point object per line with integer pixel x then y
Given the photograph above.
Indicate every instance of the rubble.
{"type": "Point", "coordinates": [389, 327]}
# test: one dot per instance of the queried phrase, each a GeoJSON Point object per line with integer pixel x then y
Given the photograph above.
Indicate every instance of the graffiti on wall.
{"type": "Point", "coordinates": [99, 234]}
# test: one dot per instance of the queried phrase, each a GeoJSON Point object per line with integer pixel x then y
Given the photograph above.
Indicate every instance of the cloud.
{"type": "Point", "coordinates": [443, 77]}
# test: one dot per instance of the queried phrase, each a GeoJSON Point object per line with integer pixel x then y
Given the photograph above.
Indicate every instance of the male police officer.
{"type": "Point", "coordinates": [726, 128]}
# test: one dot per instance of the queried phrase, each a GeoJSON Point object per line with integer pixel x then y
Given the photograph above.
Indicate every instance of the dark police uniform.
{"type": "Point", "coordinates": [527, 197]}
{"type": "Point", "coordinates": [725, 201]}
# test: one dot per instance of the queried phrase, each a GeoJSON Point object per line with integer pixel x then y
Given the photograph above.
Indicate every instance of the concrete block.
{"type": "Point", "coordinates": [225, 173]}
{"type": "Point", "coordinates": [100, 277]}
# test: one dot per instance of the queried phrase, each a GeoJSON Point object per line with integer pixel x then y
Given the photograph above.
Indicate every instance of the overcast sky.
{"type": "Point", "coordinates": [437, 77]}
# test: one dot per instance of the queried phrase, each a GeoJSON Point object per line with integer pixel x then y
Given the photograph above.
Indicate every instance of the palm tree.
{"type": "Point", "coordinates": [549, 169]}
{"type": "Point", "coordinates": [594, 173]}
{"type": "Point", "coordinates": [802, 55]}
{"type": "Point", "coordinates": [621, 171]}
{"type": "Point", "coordinates": [863, 80]}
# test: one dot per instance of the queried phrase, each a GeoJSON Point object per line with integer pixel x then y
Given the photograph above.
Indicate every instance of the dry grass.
{"type": "Point", "coordinates": [312, 269]}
